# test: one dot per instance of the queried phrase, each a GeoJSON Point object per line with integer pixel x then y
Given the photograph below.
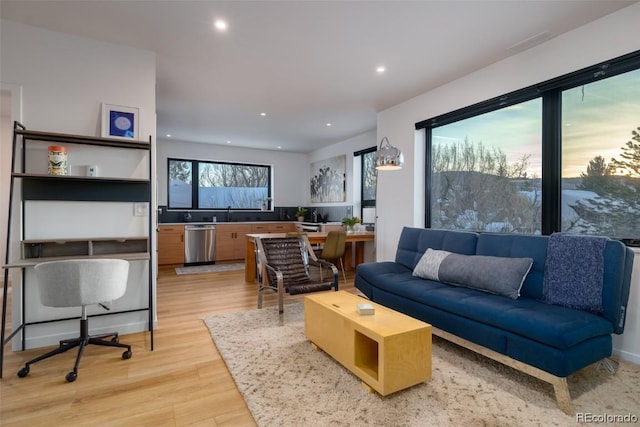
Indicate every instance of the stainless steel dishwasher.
{"type": "Point", "coordinates": [199, 244]}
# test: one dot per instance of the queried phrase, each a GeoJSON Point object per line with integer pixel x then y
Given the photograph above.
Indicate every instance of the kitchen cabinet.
{"type": "Point", "coordinates": [230, 238]}
{"type": "Point", "coordinates": [231, 241]}
{"type": "Point", "coordinates": [170, 244]}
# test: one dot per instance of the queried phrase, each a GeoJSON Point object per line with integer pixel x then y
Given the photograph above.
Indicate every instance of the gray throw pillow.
{"type": "Point", "coordinates": [497, 275]}
{"type": "Point", "coordinates": [429, 264]}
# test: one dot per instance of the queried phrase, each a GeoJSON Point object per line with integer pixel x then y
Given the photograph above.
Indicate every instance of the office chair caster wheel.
{"type": "Point", "coordinates": [126, 354]}
{"type": "Point", "coordinates": [71, 377]}
{"type": "Point", "coordinates": [23, 372]}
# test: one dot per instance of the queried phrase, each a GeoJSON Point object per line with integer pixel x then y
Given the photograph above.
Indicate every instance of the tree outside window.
{"type": "Point", "coordinates": [601, 157]}
{"type": "Point", "coordinates": [576, 136]}
{"type": "Point", "coordinates": [482, 178]}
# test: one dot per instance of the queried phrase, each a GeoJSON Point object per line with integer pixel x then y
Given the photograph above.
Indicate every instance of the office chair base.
{"type": "Point", "coordinates": [81, 343]}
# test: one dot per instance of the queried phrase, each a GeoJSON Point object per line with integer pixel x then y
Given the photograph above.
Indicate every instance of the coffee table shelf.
{"type": "Point", "coordinates": [388, 351]}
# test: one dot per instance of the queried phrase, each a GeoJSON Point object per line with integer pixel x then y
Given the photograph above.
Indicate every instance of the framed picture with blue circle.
{"type": "Point", "coordinates": [119, 121]}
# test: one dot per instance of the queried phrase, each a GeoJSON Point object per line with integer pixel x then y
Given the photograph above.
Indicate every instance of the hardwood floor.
{"type": "Point", "coordinates": [182, 382]}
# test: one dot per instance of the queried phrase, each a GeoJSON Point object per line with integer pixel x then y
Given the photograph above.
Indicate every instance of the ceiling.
{"type": "Point", "coordinates": [304, 63]}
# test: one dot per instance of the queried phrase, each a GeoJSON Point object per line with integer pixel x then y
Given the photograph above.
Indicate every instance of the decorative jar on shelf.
{"type": "Point", "coordinates": [57, 164]}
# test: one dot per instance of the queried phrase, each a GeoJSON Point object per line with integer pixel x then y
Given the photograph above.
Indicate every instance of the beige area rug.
{"type": "Point", "coordinates": [287, 383]}
{"type": "Point", "coordinates": [197, 269]}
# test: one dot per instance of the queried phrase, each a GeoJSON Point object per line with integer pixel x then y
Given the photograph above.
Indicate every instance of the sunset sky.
{"type": "Point", "coordinates": [597, 119]}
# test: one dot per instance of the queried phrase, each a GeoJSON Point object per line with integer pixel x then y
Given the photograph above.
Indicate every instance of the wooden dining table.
{"type": "Point", "coordinates": [353, 255]}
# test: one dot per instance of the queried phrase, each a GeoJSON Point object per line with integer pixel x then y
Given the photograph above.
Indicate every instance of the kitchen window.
{"type": "Point", "coordinates": [220, 185]}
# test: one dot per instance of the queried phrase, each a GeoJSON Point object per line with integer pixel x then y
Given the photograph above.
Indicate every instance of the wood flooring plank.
{"type": "Point", "coordinates": [183, 382]}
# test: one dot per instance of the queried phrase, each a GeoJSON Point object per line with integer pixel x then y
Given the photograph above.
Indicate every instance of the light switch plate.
{"type": "Point", "coordinates": [140, 209]}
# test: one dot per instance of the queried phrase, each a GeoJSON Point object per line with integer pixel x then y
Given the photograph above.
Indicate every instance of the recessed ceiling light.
{"type": "Point", "coordinates": [221, 25]}
{"type": "Point", "coordinates": [263, 114]}
{"type": "Point", "coordinates": [380, 69]}
{"type": "Point", "coordinates": [228, 142]}
{"type": "Point", "coordinates": [279, 147]}
{"type": "Point", "coordinates": [168, 135]}
{"type": "Point", "coordinates": [328, 124]}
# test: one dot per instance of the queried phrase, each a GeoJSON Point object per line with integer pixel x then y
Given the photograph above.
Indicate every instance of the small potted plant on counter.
{"type": "Point", "coordinates": [300, 213]}
{"type": "Point", "coordinates": [351, 222]}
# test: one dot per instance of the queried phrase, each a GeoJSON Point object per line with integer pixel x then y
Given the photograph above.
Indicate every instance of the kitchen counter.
{"type": "Point", "coordinates": [250, 222]}
{"type": "Point", "coordinates": [223, 222]}
{"type": "Point", "coordinates": [229, 238]}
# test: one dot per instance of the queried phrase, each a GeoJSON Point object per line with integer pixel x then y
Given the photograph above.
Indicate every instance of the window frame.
{"type": "Point", "coordinates": [195, 167]}
{"type": "Point", "coordinates": [551, 93]}
{"type": "Point", "coordinates": [366, 203]}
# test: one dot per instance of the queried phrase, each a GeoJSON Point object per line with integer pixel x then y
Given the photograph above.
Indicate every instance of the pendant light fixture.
{"type": "Point", "coordinates": [388, 157]}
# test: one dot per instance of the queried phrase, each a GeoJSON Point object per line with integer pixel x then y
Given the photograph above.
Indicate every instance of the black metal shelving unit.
{"type": "Point", "coordinates": [36, 186]}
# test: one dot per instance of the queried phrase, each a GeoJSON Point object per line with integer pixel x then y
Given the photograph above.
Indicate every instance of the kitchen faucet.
{"type": "Point", "coordinates": [315, 215]}
{"type": "Point", "coordinates": [229, 214]}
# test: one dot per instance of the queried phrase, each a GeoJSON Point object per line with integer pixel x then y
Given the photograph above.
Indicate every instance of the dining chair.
{"type": "Point", "coordinates": [288, 265]}
{"type": "Point", "coordinates": [334, 247]}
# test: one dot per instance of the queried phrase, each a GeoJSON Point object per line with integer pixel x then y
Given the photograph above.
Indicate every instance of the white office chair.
{"type": "Point", "coordinates": [81, 282]}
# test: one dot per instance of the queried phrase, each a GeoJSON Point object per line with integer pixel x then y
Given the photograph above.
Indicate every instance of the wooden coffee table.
{"type": "Point", "coordinates": [388, 351]}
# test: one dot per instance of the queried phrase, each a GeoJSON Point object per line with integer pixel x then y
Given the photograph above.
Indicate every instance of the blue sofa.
{"type": "Point", "coordinates": [524, 330]}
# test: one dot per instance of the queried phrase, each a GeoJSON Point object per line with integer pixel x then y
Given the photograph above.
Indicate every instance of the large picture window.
{"type": "Point", "coordinates": [220, 185]}
{"type": "Point", "coordinates": [563, 155]}
{"type": "Point", "coordinates": [486, 171]}
{"type": "Point", "coordinates": [601, 157]}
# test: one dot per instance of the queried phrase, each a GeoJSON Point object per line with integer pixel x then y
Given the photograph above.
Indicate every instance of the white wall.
{"type": "Point", "coordinates": [10, 110]}
{"type": "Point", "coordinates": [346, 147]}
{"type": "Point", "coordinates": [64, 80]}
{"type": "Point", "coordinates": [399, 192]}
{"type": "Point", "coordinates": [291, 170]}
{"type": "Point", "coordinates": [627, 345]}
